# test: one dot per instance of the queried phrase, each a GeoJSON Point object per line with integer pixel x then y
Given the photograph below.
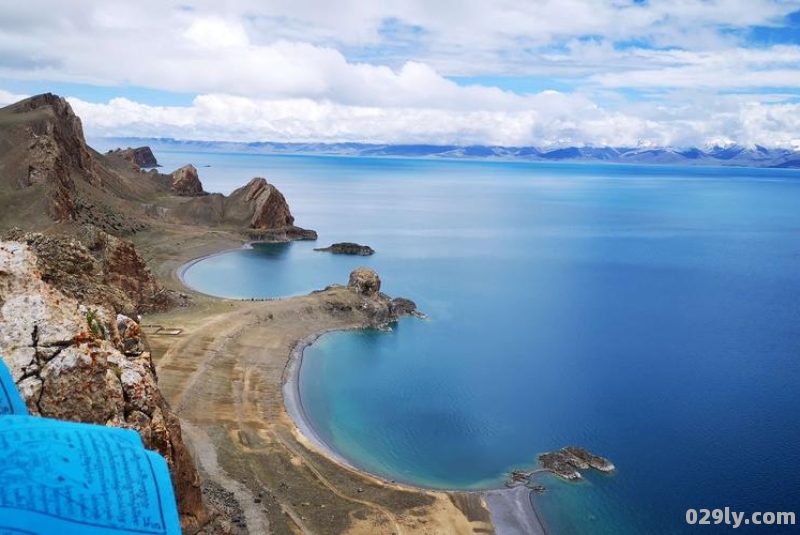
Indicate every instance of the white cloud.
{"type": "Point", "coordinates": [7, 98]}
{"type": "Point", "coordinates": [379, 70]}
{"type": "Point", "coordinates": [549, 119]}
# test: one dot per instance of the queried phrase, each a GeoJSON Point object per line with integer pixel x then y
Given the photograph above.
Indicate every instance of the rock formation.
{"type": "Point", "coordinates": [364, 281]}
{"type": "Point", "coordinates": [139, 156]}
{"type": "Point", "coordinates": [267, 204]}
{"type": "Point", "coordinates": [348, 248]}
{"type": "Point", "coordinates": [97, 268]}
{"type": "Point", "coordinates": [70, 362]}
{"type": "Point", "coordinates": [567, 462]}
{"type": "Point", "coordinates": [186, 183]}
{"type": "Point", "coordinates": [375, 305]}
{"type": "Point", "coordinates": [258, 209]}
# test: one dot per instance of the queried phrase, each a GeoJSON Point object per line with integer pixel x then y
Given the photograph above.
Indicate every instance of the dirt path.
{"type": "Point", "coordinates": [206, 457]}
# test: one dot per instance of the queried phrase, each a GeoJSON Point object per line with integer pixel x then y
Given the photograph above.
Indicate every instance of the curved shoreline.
{"type": "Point", "coordinates": [512, 510]}
{"type": "Point", "coordinates": [293, 404]}
{"type": "Point", "coordinates": [180, 271]}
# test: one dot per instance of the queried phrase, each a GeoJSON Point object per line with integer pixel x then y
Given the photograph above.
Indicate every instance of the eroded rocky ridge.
{"type": "Point", "coordinates": [48, 174]}
{"type": "Point", "coordinates": [139, 156]}
{"type": "Point", "coordinates": [83, 363]}
{"type": "Point", "coordinates": [96, 267]}
{"type": "Point", "coordinates": [50, 150]}
{"type": "Point", "coordinates": [257, 207]}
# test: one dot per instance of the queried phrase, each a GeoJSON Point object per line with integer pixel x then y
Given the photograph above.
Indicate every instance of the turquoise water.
{"type": "Point", "coordinates": [650, 314]}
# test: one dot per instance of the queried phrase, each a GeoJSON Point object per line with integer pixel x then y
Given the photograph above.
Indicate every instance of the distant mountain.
{"type": "Point", "coordinates": [727, 154]}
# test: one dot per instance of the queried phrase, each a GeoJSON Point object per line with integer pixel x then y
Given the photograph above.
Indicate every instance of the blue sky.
{"type": "Point", "coordinates": [546, 73]}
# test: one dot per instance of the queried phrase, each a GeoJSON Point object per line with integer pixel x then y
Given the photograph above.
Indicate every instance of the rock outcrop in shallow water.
{"type": "Point", "coordinates": [567, 462]}
{"type": "Point", "coordinates": [70, 361]}
{"type": "Point", "coordinates": [348, 249]}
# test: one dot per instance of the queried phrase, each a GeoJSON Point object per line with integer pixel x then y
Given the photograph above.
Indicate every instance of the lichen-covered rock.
{"type": "Point", "coordinates": [67, 362]}
{"type": "Point", "coordinates": [130, 336]}
{"type": "Point", "coordinates": [97, 268]}
{"type": "Point", "coordinates": [186, 182]}
{"type": "Point", "coordinates": [364, 281]}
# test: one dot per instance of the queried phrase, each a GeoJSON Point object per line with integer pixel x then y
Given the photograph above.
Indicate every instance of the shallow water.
{"type": "Point", "coordinates": [650, 314]}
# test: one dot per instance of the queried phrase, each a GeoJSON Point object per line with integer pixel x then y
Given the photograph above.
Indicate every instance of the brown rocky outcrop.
{"type": "Point", "coordinates": [69, 362]}
{"type": "Point", "coordinates": [364, 281]}
{"type": "Point", "coordinates": [52, 152]}
{"type": "Point", "coordinates": [98, 268]}
{"type": "Point", "coordinates": [258, 209]}
{"type": "Point", "coordinates": [267, 206]}
{"type": "Point", "coordinates": [186, 182]}
{"type": "Point", "coordinates": [348, 248]}
{"type": "Point", "coordinates": [379, 309]}
{"type": "Point", "coordinates": [139, 156]}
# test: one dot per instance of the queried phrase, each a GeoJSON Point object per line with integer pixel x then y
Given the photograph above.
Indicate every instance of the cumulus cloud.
{"type": "Point", "coordinates": [382, 70]}
{"type": "Point", "coordinates": [549, 119]}
{"type": "Point", "coordinates": [7, 98]}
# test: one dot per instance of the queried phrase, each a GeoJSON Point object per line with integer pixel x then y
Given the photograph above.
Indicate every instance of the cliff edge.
{"type": "Point", "coordinates": [79, 362]}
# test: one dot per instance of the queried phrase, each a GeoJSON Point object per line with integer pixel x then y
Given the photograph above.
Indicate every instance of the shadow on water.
{"type": "Point", "coordinates": [272, 251]}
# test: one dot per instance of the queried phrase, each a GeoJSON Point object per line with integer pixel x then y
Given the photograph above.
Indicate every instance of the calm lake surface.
{"type": "Point", "coordinates": [650, 314]}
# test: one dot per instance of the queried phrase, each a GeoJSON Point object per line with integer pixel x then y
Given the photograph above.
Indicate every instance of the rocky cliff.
{"type": "Point", "coordinates": [83, 363]}
{"type": "Point", "coordinates": [49, 150]}
{"type": "Point", "coordinates": [257, 208]}
{"type": "Point", "coordinates": [139, 156]}
{"type": "Point", "coordinates": [93, 266]}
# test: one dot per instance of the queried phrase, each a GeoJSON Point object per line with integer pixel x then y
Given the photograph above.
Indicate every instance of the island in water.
{"type": "Point", "coordinates": [348, 248]}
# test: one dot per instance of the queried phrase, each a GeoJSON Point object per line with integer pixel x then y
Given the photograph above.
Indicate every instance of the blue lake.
{"type": "Point", "coordinates": [650, 314]}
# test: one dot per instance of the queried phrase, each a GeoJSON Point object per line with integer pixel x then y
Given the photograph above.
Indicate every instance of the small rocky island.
{"type": "Point", "coordinates": [348, 248]}
{"type": "Point", "coordinates": [566, 463]}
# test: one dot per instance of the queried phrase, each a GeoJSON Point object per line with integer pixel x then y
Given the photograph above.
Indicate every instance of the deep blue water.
{"type": "Point", "coordinates": [650, 314]}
